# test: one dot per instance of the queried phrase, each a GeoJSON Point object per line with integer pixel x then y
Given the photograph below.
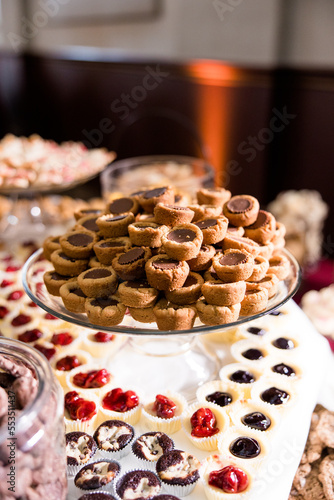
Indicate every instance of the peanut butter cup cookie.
{"type": "Point", "coordinates": [164, 273]}
{"type": "Point", "coordinates": [172, 214]}
{"type": "Point", "coordinates": [223, 294]}
{"type": "Point", "coordinates": [107, 249]}
{"type": "Point", "coordinates": [112, 226]}
{"type": "Point", "coordinates": [50, 245]}
{"type": "Point", "coordinates": [213, 229]}
{"type": "Point", "coordinates": [89, 223]}
{"type": "Point", "coordinates": [83, 212]}
{"type": "Point", "coordinates": [241, 210]}
{"type": "Point", "coordinates": [255, 301]}
{"type": "Point", "coordinates": [137, 293]}
{"type": "Point", "coordinates": [78, 244]}
{"type": "Point", "coordinates": [105, 311]}
{"type": "Point", "coordinates": [263, 229]}
{"type": "Point", "coordinates": [189, 293]}
{"type": "Point", "coordinates": [131, 264]}
{"type": "Point", "coordinates": [260, 269]}
{"type": "Point", "coordinates": [183, 241]}
{"type": "Point", "coordinates": [67, 266]}
{"type": "Point", "coordinates": [212, 315]}
{"type": "Point", "coordinates": [98, 282]}
{"type": "Point", "coordinates": [73, 297]}
{"type": "Point", "coordinates": [171, 316]}
{"type": "Point", "coordinates": [143, 315]}
{"type": "Point", "coordinates": [204, 211]}
{"type": "Point", "coordinates": [233, 265]}
{"type": "Point", "coordinates": [149, 199]}
{"type": "Point", "coordinates": [240, 243]}
{"type": "Point", "coordinates": [279, 265]}
{"type": "Point", "coordinates": [203, 260]}
{"type": "Point", "coordinates": [123, 205]}
{"type": "Point", "coordinates": [53, 281]}
{"type": "Point", "coordinates": [215, 196]}
{"type": "Point", "coordinates": [147, 234]}
{"type": "Point", "coordinates": [269, 282]}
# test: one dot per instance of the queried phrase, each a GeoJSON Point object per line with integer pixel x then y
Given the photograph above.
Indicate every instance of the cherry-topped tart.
{"type": "Point", "coordinates": [203, 423]}
{"type": "Point", "coordinates": [92, 379]}
{"type": "Point", "coordinates": [164, 407]}
{"type": "Point", "coordinates": [230, 479]}
{"type": "Point", "coordinates": [79, 408]}
{"type": "Point", "coordinates": [118, 400]}
{"type": "Point", "coordinates": [67, 363]}
{"type": "Point", "coordinates": [62, 339]}
{"type": "Point", "coordinates": [103, 337]}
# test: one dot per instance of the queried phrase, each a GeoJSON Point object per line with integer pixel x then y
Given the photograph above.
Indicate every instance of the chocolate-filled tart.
{"type": "Point", "coordinates": [279, 265]}
{"type": "Point", "coordinates": [53, 281]}
{"type": "Point", "coordinates": [216, 315]}
{"type": "Point", "coordinates": [213, 196]}
{"type": "Point", "coordinates": [147, 234]}
{"type": "Point", "coordinates": [204, 423]}
{"type": "Point", "coordinates": [241, 210]}
{"type": "Point", "coordinates": [123, 205]}
{"type": "Point", "coordinates": [242, 376]}
{"type": "Point", "coordinates": [105, 311]}
{"type": "Point", "coordinates": [169, 316]}
{"type": "Point", "coordinates": [98, 282]}
{"type": "Point", "coordinates": [50, 245]}
{"type": "Point", "coordinates": [261, 266]}
{"type": "Point", "coordinates": [80, 450]}
{"type": "Point", "coordinates": [220, 393]}
{"type": "Point", "coordinates": [233, 265]}
{"type": "Point", "coordinates": [131, 264]}
{"type": "Point", "coordinates": [263, 229]}
{"type": "Point", "coordinates": [73, 296]}
{"type": "Point", "coordinates": [254, 352]}
{"type": "Point", "coordinates": [138, 485]}
{"type": "Point", "coordinates": [178, 472]}
{"type": "Point", "coordinates": [269, 283]}
{"type": "Point", "coordinates": [223, 294]}
{"type": "Point", "coordinates": [240, 243]}
{"type": "Point", "coordinates": [78, 244]}
{"type": "Point", "coordinates": [107, 249]}
{"type": "Point", "coordinates": [114, 438]}
{"type": "Point", "coordinates": [67, 266]}
{"type": "Point", "coordinates": [203, 260]}
{"type": "Point", "coordinates": [164, 273]}
{"type": "Point", "coordinates": [213, 229]}
{"type": "Point", "coordinates": [204, 211]}
{"type": "Point", "coordinates": [189, 293]}
{"type": "Point", "coordinates": [163, 412]}
{"type": "Point", "coordinates": [266, 250]}
{"type": "Point", "coordinates": [254, 301]}
{"type": "Point", "coordinates": [142, 315]}
{"type": "Point", "coordinates": [83, 212]}
{"type": "Point", "coordinates": [171, 215]}
{"type": "Point", "coordinates": [150, 198]}
{"type": "Point", "coordinates": [137, 294]}
{"type": "Point", "coordinates": [89, 223]}
{"type": "Point", "coordinates": [149, 447]}
{"type": "Point", "coordinates": [113, 226]}
{"type": "Point", "coordinates": [183, 241]}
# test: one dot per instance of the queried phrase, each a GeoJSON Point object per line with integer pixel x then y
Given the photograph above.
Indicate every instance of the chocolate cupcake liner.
{"type": "Point", "coordinates": [107, 488]}
{"type": "Point", "coordinates": [167, 425]}
{"type": "Point", "coordinates": [206, 443]}
{"type": "Point", "coordinates": [134, 470]}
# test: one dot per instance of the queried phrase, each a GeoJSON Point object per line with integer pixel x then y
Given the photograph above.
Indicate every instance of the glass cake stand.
{"type": "Point", "coordinates": [152, 358]}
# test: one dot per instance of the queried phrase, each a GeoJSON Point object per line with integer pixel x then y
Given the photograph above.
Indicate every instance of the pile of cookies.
{"type": "Point", "coordinates": [160, 259]}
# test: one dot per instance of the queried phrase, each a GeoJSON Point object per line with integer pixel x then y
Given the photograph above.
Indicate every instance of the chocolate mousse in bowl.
{"type": "Point", "coordinates": [32, 445]}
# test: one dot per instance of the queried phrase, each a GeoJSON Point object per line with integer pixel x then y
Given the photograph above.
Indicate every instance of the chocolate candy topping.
{"type": "Point", "coordinates": [65, 257]}
{"type": "Point", "coordinates": [155, 193]}
{"type": "Point", "coordinates": [131, 256]}
{"type": "Point", "coordinates": [283, 343]}
{"type": "Point", "coordinates": [283, 369]}
{"type": "Point", "coordinates": [116, 218]}
{"type": "Point", "coordinates": [79, 240]}
{"type": "Point", "coordinates": [253, 354]}
{"type": "Point", "coordinates": [166, 264]}
{"type": "Point", "coordinates": [98, 272]}
{"type": "Point", "coordinates": [245, 447]}
{"type": "Point", "coordinates": [262, 220]}
{"type": "Point", "coordinates": [232, 259]}
{"type": "Point", "coordinates": [204, 224]}
{"type": "Point", "coordinates": [190, 281]}
{"type": "Point", "coordinates": [242, 377]}
{"type": "Point", "coordinates": [275, 396]}
{"type": "Point", "coordinates": [91, 225]}
{"type": "Point", "coordinates": [78, 292]}
{"type": "Point", "coordinates": [181, 235]}
{"type": "Point", "coordinates": [239, 205]}
{"type": "Point", "coordinates": [256, 420]}
{"type": "Point", "coordinates": [112, 244]}
{"type": "Point", "coordinates": [219, 398]}
{"type": "Point", "coordinates": [254, 330]}
{"type": "Point", "coordinates": [120, 205]}
{"type": "Point", "coordinates": [58, 277]}
{"type": "Point", "coordinates": [104, 302]}
{"type": "Point", "coordinates": [138, 284]}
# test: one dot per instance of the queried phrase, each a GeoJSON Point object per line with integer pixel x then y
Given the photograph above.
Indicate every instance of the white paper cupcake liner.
{"type": "Point", "coordinates": [230, 368]}
{"type": "Point", "coordinates": [80, 425]}
{"type": "Point", "coordinates": [177, 489]}
{"type": "Point", "coordinates": [167, 425]}
{"type": "Point", "coordinates": [131, 417]}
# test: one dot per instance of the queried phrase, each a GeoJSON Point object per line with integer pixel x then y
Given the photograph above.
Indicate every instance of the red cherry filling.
{"type": "Point", "coordinates": [92, 379]}
{"type": "Point", "coordinates": [164, 407]}
{"type": "Point", "coordinates": [78, 408]}
{"type": "Point", "coordinates": [30, 335]}
{"type": "Point", "coordinates": [67, 363]}
{"type": "Point", "coordinates": [117, 400]}
{"type": "Point", "coordinates": [49, 316]}
{"type": "Point", "coordinates": [103, 337]}
{"type": "Point", "coordinates": [12, 269]}
{"type": "Point", "coordinates": [32, 304]}
{"type": "Point", "coordinates": [203, 423]}
{"type": "Point", "coordinates": [5, 283]}
{"type": "Point", "coordinates": [48, 352]}
{"type": "Point", "coordinates": [64, 338]}
{"type": "Point", "coordinates": [18, 294]}
{"type": "Point", "coordinates": [229, 479]}
{"type": "Point", "coordinates": [3, 312]}
{"type": "Point", "coordinates": [20, 320]}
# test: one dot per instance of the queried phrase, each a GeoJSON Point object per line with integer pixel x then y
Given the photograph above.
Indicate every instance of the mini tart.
{"type": "Point", "coordinates": [255, 300]}
{"type": "Point", "coordinates": [278, 237]}
{"type": "Point", "coordinates": [138, 484]}
{"type": "Point", "coordinates": [261, 266]}
{"type": "Point", "coordinates": [164, 273]}
{"type": "Point", "coordinates": [102, 349]}
{"type": "Point", "coordinates": [172, 214]}
{"type": "Point", "coordinates": [251, 351]}
{"type": "Point", "coordinates": [131, 416]}
{"type": "Point", "coordinates": [284, 344]}
{"type": "Point", "coordinates": [203, 260]}
{"type": "Point", "coordinates": [78, 244]}
{"type": "Point", "coordinates": [123, 205]}
{"type": "Point", "coordinates": [83, 212]}
{"type": "Point", "coordinates": [223, 294]}
{"type": "Point", "coordinates": [204, 211]}
{"type": "Point", "coordinates": [93, 387]}
{"type": "Point", "coordinates": [50, 245]}
{"type": "Point", "coordinates": [240, 243]}
{"type": "Point", "coordinates": [65, 360]}
{"type": "Point", "coordinates": [269, 283]}
{"type": "Point", "coordinates": [216, 315]}
{"type": "Point", "coordinates": [280, 368]}
{"type": "Point", "coordinates": [97, 475]}
{"type": "Point", "coordinates": [233, 265]}
{"type": "Point", "coordinates": [182, 242]}
{"type": "Point", "coordinates": [149, 447]}
{"type": "Point", "coordinates": [82, 425]}
{"type": "Point", "coordinates": [253, 330]}
{"type": "Point", "coordinates": [171, 316]}
{"type": "Point", "coordinates": [280, 266]}
{"type": "Point", "coordinates": [273, 392]}
{"type": "Point", "coordinates": [104, 311]}
{"type": "Point", "coordinates": [189, 293]}
{"type": "Point", "coordinates": [235, 231]}
{"type": "Point", "coordinates": [220, 393]}
{"type": "Point", "coordinates": [241, 210]}
{"type": "Point", "coordinates": [107, 249]}
{"type": "Point", "coordinates": [242, 376]}
{"type": "Point", "coordinates": [113, 226]}
{"type": "Point", "coordinates": [53, 281]}
{"type": "Point", "coordinates": [98, 282]}
{"type": "Point", "coordinates": [143, 315]}
{"type": "Point", "coordinates": [137, 294]}
{"type": "Point", "coordinates": [145, 218]}
{"type": "Point", "coordinates": [131, 264]}
{"type": "Point", "coordinates": [263, 229]}
{"type": "Point", "coordinates": [80, 450]}
{"type": "Point", "coordinates": [216, 463]}
{"type": "Point", "coordinates": [72, 296]}
{"type": "Point", "coordinates": [67, 266]}
{"type": "Point", "coordinates": [242, 444]}
{"type": "Point", "coordinates": [209, 443]}
{"type": "Point", "coordinates": [178, 471]}
{"type": "Point", "coordinates": [147, 234]}
{"type": "Point", "coordinates": [89, 223]}
{"type": "Point", "coordinates": [255, 416]}
{"type": "Point", "coordinates": [214, 196]}
{"type": "Point", "coordinates": [114, 438]}
{"type": "Point", "coordinates": [149, 199]}
{"type": "Point", "coordinates": [167, 425]}
{"type": "Point", "coordinates": [213, 229]}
